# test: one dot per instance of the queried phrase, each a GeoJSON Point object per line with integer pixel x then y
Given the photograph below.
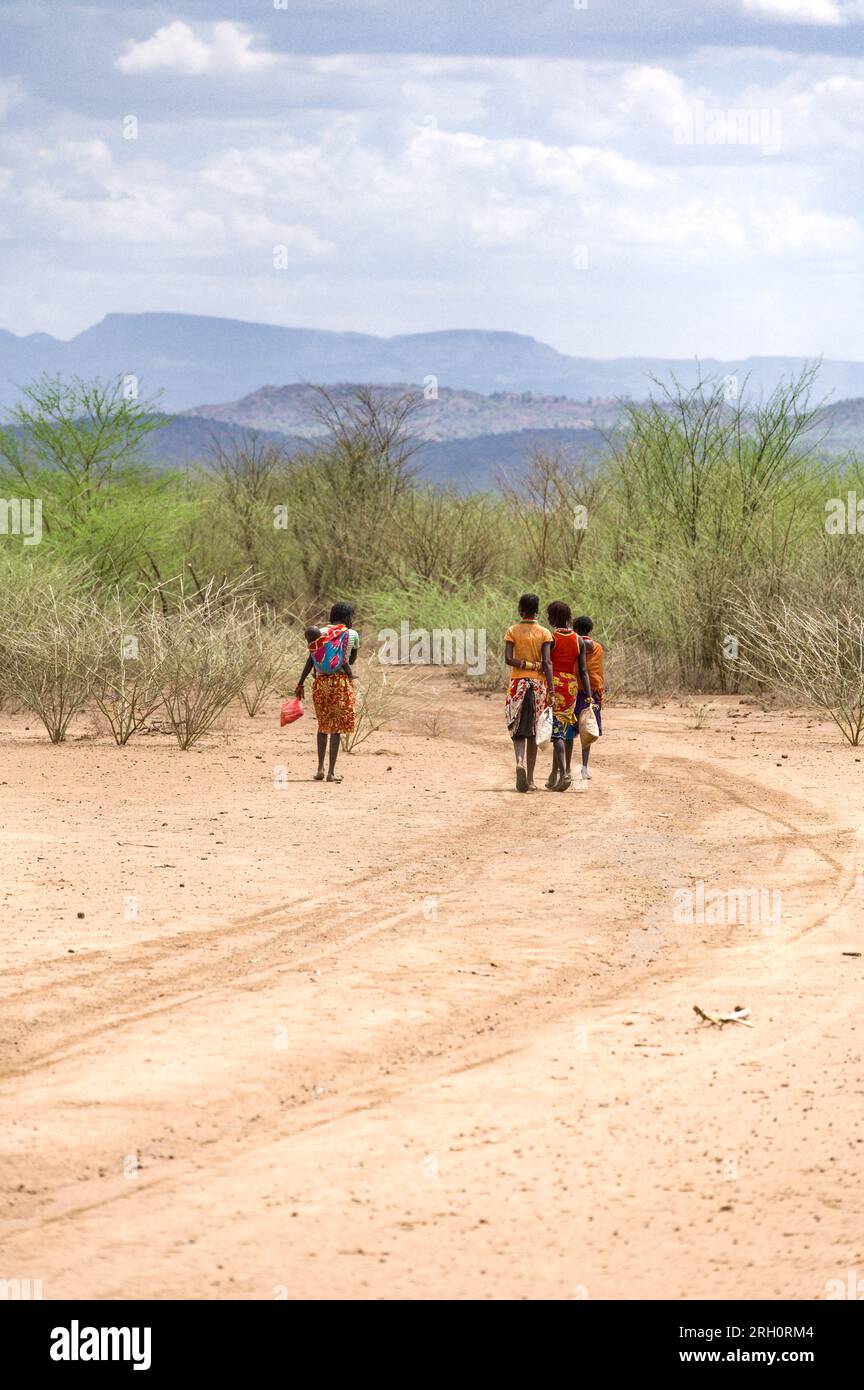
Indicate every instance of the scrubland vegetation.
{"type": "Point", "coordinates": [697, 542]}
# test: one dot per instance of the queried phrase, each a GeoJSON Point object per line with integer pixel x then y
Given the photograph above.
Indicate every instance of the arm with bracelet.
{"type": "Point", "coordinates": [583, 671]}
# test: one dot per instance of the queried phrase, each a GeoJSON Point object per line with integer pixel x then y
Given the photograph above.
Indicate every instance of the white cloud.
{"type": "Point", "coordinates": [145, 217]}
{"type": "Point", "coordinates": [417, 191]}
{"type": "Point", "coordinates": [800, 11]}
{"type": "Point", "coordinates": [178, 48]}
{"type": "Point", "coordinates": [75, 191]}
{"type": "Point", "coordinates": [717, 230]}
{"type": "Point", "coordinates": [460, 199]}
{"type": "Point", "coordinates": [257, 231]}
{"type": "Point", "coordinates": [12, 93]}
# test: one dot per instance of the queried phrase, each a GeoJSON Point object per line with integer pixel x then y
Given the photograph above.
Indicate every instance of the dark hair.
{"type": "Point", "coordinates": [558, 613]}
{"type": "Point", "coordinates": [583, 626]}
{"type": "Point", "coordinates": [342, 613]}
{"type": "Point", "coordinates": [312, 634]}
{"type": "Point", "coordinates": [529, 605]}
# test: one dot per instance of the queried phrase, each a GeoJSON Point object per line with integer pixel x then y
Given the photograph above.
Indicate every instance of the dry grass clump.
{"type": "Point", "coordinates": [811, 652]}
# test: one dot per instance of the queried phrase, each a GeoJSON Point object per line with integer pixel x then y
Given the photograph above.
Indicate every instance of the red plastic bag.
{"type": "Point", "coordinates": [291, 710]}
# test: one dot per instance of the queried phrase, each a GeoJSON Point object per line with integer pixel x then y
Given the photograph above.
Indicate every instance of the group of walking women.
{"type": "Point", "coordinates": [555, 671]}
{"type": "Point", "coordinates": [558, 671]}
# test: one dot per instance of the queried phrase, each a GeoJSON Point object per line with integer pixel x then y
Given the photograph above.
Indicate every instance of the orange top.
{"type": "Point", "coordinates": [565, 652]}
{"type": "Point", "coordinates": [594, 662]}
{"type": "Point", "coordinates": [528, 639]}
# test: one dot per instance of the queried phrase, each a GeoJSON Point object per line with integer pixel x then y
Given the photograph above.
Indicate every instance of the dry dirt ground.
{"type": "Point", "coordinates": [419, 1037]}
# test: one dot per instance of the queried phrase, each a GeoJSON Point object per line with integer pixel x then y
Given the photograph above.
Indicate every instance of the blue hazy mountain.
{"type": "Point", "coordinates": [193, 358]}
{"type": "Point", "coordinates": [472, 462]}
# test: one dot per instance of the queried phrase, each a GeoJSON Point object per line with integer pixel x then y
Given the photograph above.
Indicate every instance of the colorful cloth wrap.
{"type": "Point", "coordinates": [333, 698]}
{"type": "Point", "coordinates": [329, 652]}
{"type": "Point", "coordinates": [519, 687]}
{"type": "Point", "coordinates": [564, 709]}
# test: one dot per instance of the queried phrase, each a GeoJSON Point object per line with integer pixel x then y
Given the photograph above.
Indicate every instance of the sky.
{"type": "Point", "coordinates": [615, 178]}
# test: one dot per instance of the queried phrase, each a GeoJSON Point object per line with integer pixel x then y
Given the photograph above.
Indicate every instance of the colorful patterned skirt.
{"type": "Point", "coordinates": [333, 698]}
{"type": "Point", "coordinates": [522, 721]}
{"type": "Point", "coordinates": [564, 709]}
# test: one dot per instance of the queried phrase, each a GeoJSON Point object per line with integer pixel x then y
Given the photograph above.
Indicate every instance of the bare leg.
{"type": "Point", "coordinates": [585, 773]}
{"type": "Point", "coordinates": [335, 740]}
{"type": "Point", "coordinates": [555, 771]}
{"type": "Point", "coordinates": [521, 775]}
{"type": "Point", "coordinates": [322, 749]}
{"type": "Point", "coordinates": [568, 754]}
{"type": "Point", "coordinates": [532, 759]}
{"type": "Point", "coordinates": [564, 778]}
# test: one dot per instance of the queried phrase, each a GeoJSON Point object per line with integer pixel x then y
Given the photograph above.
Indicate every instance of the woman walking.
{"type": "Point", "coordinates": [527, 648]}
{"type": "Point", "coordinates": [595, 661]}
{"type": "Point", "coordinates": [569, 670]}
{"type": "Point", "coordinates": [330, 656]}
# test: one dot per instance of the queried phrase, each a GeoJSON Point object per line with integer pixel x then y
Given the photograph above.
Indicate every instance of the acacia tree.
{"type": "Point", "coordinates": [445, 538]}
{"type": "Point", "coordinates": [245, 468]}
{"type": "Point", "coordinates": [344, 497]}
{"type": "Point", "coordinates": [695, 458]}
{"type": "Point", "coordinates": [76, 445]}
{"type": "Point", "coordinates": [551, 500]}
{"type": "Point", "coordinates": [809, 651]}
{"type": "Point", "coordinates": [706, 481]}
{"type": "Point", "coordinates": [82, 431]}
{"type": "Point", "coordinates": [47, 659]}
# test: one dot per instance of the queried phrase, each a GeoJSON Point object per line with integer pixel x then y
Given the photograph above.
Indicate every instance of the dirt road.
{"type": "Point", "coordinates": [416, 1036]}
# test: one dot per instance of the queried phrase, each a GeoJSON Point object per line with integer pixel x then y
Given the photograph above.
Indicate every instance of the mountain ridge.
{"type": "Point", "coordinates": [449, 414]}
{"type": "Point", "coordinates": [464, 438]}
{"type": "Point", "coordinates": [192, 358]}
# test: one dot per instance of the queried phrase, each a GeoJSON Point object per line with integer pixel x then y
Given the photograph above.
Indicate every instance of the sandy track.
{"type": "Point", "coordinates": [347, 1042]}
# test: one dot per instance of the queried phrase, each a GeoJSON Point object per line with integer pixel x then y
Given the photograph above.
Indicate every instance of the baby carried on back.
{"type": "Point", "coordinates": [328, 649]}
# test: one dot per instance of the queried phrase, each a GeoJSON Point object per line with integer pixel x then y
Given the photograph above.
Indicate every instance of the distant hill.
{"type": "Point", "coordinates": [450, 414]}
{"type": "Point", "coordinates": [491, 395]}
{"type": "Point", "coordinates": [466, 463]}
{"type": "Point", "coordinates": [475, 464]}
{"type": "Point", "coordinates": [187, 440]}
{"type": "Point", "coordinates": [466, 438]}
{"type": "Point", "coordinates": [195, 358]}
{"type": "Point", "coordinates": [840, 427]}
